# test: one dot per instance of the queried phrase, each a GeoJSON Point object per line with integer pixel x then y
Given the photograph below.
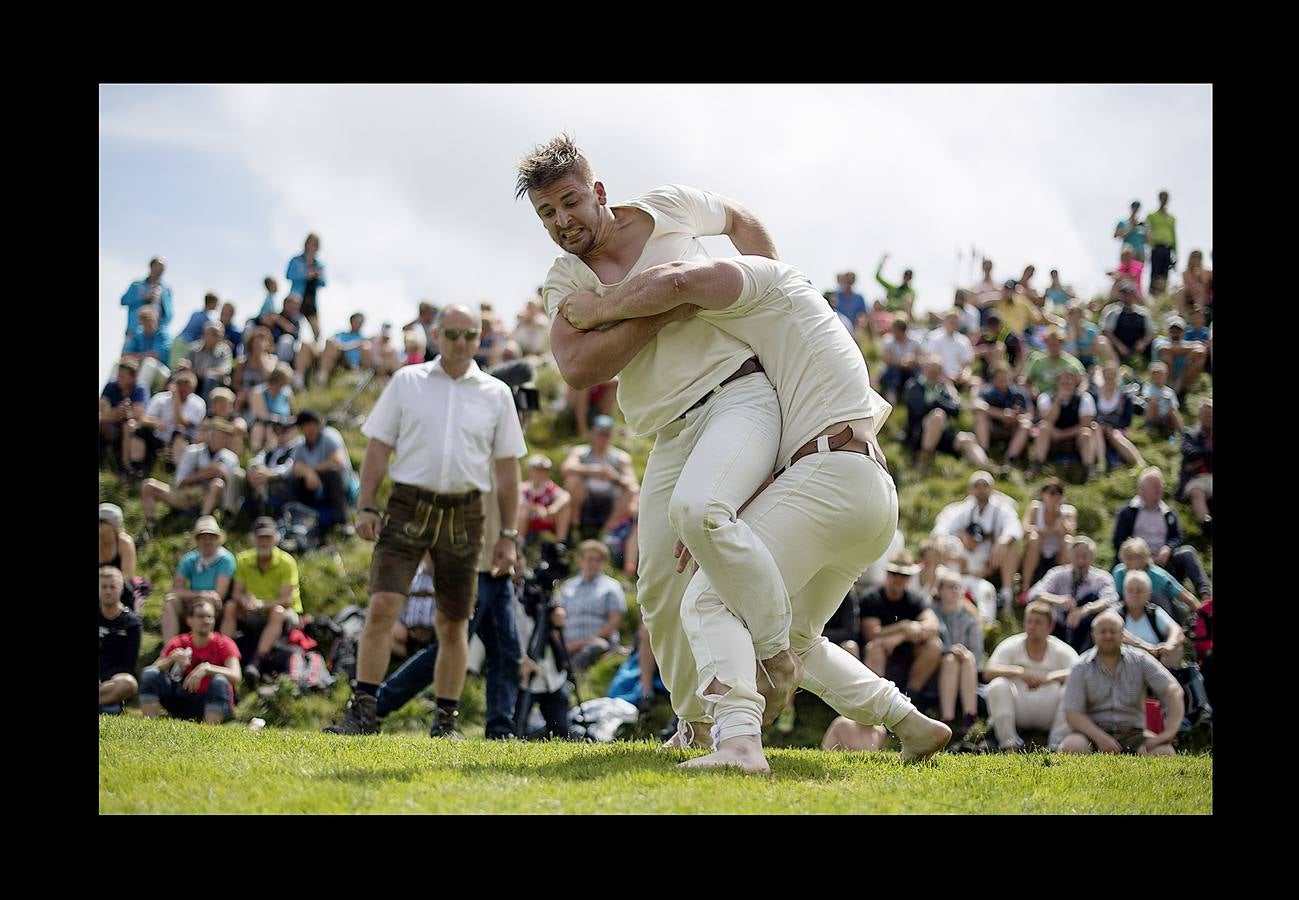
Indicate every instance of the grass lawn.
{"type": "Point", "coordinates": [167, 766]}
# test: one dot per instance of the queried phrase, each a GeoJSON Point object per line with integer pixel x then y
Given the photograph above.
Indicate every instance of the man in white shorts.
{"type": "Point", "coordinates": [698, 390]}
{"type": "Point", "coordinates": [825, 518]}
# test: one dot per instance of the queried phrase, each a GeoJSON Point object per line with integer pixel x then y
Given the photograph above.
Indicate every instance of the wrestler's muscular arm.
{"type": "Point", "coordinates": [746, 232]}
{"type": "Point", "coordinates": [588, 358]}
{"type": "Point", "coordinates": [707, 284]}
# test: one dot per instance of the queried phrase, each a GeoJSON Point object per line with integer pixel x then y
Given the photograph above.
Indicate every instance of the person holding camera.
{"type": "Point", "coordinates": [987, 523]}
{"type": "Point", "coordinates": [121, 404]}
{"type": "Point", "coordinates": [455, 434]}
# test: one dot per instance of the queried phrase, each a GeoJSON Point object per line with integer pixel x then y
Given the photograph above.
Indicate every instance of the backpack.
{"type": "Point", "coordinates": [299, 527]}
{"type": "Point", "coordinates": [342, 659]}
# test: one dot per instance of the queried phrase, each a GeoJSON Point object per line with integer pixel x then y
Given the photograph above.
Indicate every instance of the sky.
{"type": "Point", "coordinates": [411, 187]}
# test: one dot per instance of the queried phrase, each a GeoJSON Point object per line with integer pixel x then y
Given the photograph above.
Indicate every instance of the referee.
{"type": "Point", "coordinates": [450, 426]}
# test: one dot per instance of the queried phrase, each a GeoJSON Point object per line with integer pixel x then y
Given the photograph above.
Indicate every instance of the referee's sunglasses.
{"type": "Point", "coordinates": [455, 334]}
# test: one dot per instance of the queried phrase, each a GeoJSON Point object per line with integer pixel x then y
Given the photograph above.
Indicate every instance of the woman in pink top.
{"type": "Point", "coordinates": [1129, 269]}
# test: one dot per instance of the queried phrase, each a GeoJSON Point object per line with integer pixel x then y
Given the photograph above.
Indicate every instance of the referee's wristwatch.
{"type": "Point", "coordinates": [511, 533]}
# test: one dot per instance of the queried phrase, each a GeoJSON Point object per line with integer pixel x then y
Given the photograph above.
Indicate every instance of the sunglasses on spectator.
{"type": "Point", "coordinates": [455, 334]}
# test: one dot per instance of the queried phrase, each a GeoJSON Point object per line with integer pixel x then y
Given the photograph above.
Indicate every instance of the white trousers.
{"type": "Point", "coordinates": [1011, 706]}
{"type": "Point", "coordinates": [701, 470]}
{"type": "Point", "coordinates": [825, 520]}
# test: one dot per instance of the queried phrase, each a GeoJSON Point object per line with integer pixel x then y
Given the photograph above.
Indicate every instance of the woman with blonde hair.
{"type": "Point", "coordinates": [271, 403]}
{"type": "Point", "coordinates": [962, 636]}
{"type": "Point", "coordinates": [117, 549]}
{"type": "Point", "coordinates": [254, 367]}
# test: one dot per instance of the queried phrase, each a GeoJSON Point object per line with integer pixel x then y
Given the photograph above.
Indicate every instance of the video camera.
{"type": "Point", "coordinates": [539, 582]}
{"type": "Point", "coordinates": [518, 375]}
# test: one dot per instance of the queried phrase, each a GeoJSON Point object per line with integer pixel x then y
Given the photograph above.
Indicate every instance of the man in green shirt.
{"type": "Point", "coordinates": [265, 594]}
{"type": "Point", "coordinates": [1162, 226]}
{"type": "Point", "coordinates": [899, 297]}
{"type": "Point", "coordinates": [1043, 367]}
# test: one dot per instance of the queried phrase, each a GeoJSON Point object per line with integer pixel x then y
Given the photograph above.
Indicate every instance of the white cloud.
{"type": "Point", "coordinates": [410, 187]}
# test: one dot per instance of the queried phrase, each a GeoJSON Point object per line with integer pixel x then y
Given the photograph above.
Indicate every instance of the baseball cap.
{"type": "Point", "coordinates": [537, 461]}
{"type": "Point", "coordinates": [110, 512]}
{"type": "Point", "coordinates": [603, 422]}
{"type": "Point", "coordinates": [981, 475]}
{"type": "Point", "coordinates": [264, 525]}
{"type": "Point", "coordinates": [219, 393]}
{"type": "Point", "coordinates": [208, 525]}
{"type": "Point", "coordinates": [1177, 322]}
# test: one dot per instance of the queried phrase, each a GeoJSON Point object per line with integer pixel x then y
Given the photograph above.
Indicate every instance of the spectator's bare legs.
{"type": "Point", "coordinates": [576, 487]}
{"type": "Point", "coordinates": [1106, 351]}
{"type": "Point", "coordinates": [1042, 444]}
{"type": "Point", "coordinates": [580, 403]}
{"type": "Point", "coordinates": [328, 360]}
{"type": "Point", "coordinates": [949, 674]}
{"type": "Point", "coordinates": [215, 488]}
{"type": "Point", "coordinates": [230, 618]}
{"type": "Point", "coordinates": [172, 611]}
{"type": "Point", "coordinates": [621, 510]}
{"type": "Point", "coordinates": [118, 689]}
{"type": "Point", "coordinates": [453, 656]}
{"type": "Point", "coordinates": [275, 616]}
{"type": "Point", "coordinates": [1191, 370]}
{"type": "Point", "coordinates": [151, 490]}
{"type": "Point", "coordinates": [302, 362]}
{"type": "Point", "coordinates": [1004, 559]}
{"type": "Point", "coordinates": [1086, 450]}
{"type": "Point", "coordinates": [1076, 743]}
{"type": "Point", "coordinates": [969, 681]}
{"type": "Point", "coordinates": [1174, 421]}
{"type": "Point", "coordinates": [314, 321]}
{"type": "Point", "coordinates": [1199, 500]}
{"type": "Point", "coordinates": [1032, 556]}
{"type": "Point", "coordinates": [968, 447]}
{"type": "Point", "coordinates": [257, 437]}
{"type": "Point", "coordinates": [178, 444]}
{"type": "Point", "coordinates": [631, 550]}
{"type": "Point", "coordinates": [983, 428]}
{"type": "Point", "coordinates": [1019, 440]}
{"type": "Point", "coordinates": [845, 734]}
{"type": "Point", "coordinates": [928, 655]}
{"type": "Point", "coordinates": [376, 639]}
{"type": "Point", "coordinates": [1124, 447]}
{"type": "Point", "coordinates": [931, 431]}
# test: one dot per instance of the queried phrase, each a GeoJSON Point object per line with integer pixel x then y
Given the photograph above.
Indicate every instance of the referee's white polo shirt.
{"type": "Point", "coordinates": [446, 431]}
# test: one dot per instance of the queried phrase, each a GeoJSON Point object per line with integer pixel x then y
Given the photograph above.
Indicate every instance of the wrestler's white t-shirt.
{"type": "Point", "coordinates": [685, 360]}
{"type": "Point", "coordinates": [817, 370]}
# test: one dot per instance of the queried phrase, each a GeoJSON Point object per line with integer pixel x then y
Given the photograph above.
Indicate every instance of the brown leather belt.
{"type": "Point", "coordinates": [838, 441]}
{"type": "Point", "coordinates": [750, 366]}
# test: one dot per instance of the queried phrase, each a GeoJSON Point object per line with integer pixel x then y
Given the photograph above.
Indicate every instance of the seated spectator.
{"type": "Point", "coordinates": [1146, 626]}
{"type": "Point", "coordinates": [594, 606]}
{"type": "Point", "coordinates": [599, 399]}
{"type": "Point", "coordinates": [270, 402]}
{"type": "Point", "coordinates": [1185, 359]}
{"type": "Point", "coordinates": [1197, 285]}
{"type": "Point", "coordinates": [1195, 485]}
{"type": "Point", "coordinates": [987, 525]}
{"type": "Point", "coordinates": [962, 653]}
{"type": "Point", "coordinates": [1128, 326]}
{"type": "Point", "coordinates": [1113, 418]}
{"type": "Point", "coordinates": [1059, 297]}
{"type": "Point", "coordinates": [532, 331]}
{"type": "Point", "coordinates": [322, 472]}
{"type": "Point", "coordinates": [266, 597]}
{"type": "Point", "coordinates": [491, 340]}
{"type": "Point", "coordinates": [1018, 313]}
{"type": "Point", "coordinates": [233, 335]}
{"type": "Point", "coordinates": [994, 345]}
{"type": "Point", "coordinates": [414, 629]}
{"type": "Point", "coordinates": [270, 474]}
{"type": "Point", "coordinates": [1001, 411]}
{"type": "Point", "coordinates": [349, 346]}
{"type": "Point", "coordinates": [149, 348]}
{"type": "Point", "coordinates": [210, 359]}
{"type": "Point", "coordinates": [385, 355]}
{"type": "Point", "coordinates": [1167, 592]}
{"type": "Point", "coordinates": [425, 322]}
{"type": "Point", "coordinates": [899, 631]}
{"type": "Point", "coordinates": [1044, 365]}
{"type": "Point", "coordinates": [979, 592]}
{"type": "Point", "coordinates": [1065, 424]}
{"type": "Point", "coordinates": [194, 676]}
{"type": "Point", "coordinates": [119, 643]}
{"type": "Point", "coordinates": [121, 405]}
{"type": "Point", "coordinates": [205, 573]}
{"type": "Point", "coordinates": [874, 574]}
{"type": "Point", "coordinates": [544, 505]}
{"type": "Point", "coordinates": [1083, 339]}
{"type": "Point", "coordinates": [1105, 697]}
{"type": "Point", "coordinates": [1199, 330]}
{"type": "Point", "coordinates": [1049, 525]}
{"type": "Point", "coordinates": [171, 420]}
{"type": "Point", "coordinates": [286, 330]}
{"type": "Point", "coordinates": [1026, 675]}
{"type": "Point", "coordinates": [970, 318]}
{"type": "Point", "coordinates": [844, 627]}
{"type": "Point", "coordinates": [200, 481]}
{"type": "Point", "coordinates": [193, 330]}
{"type": "Point", "coordinates": [117, 549]}
{"type": "Point", "coordinates": [932, 406]}
{"type": "Point", "coordinates": [953, 349]}
{"type": "Point", "coordinates": [600, 479]}
{"type": "Point", "coordinates": [1147, 516]}
{"type": "Point", "coordinates": [254, 368]}
{"type": "Point", "coordinates": [1129, 269]}
{"type": "Point", "coordinates": [1076, 591]}
{"type": "Point", "coordinates": [901, 353]}
{"type": "Point", "coordinates": [221, 405]}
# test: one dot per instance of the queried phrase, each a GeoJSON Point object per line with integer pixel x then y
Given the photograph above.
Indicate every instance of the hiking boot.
{"type": "Point", "coordinates": [445, 725]}
{"type": "Point", "coordinates": [362, 716]}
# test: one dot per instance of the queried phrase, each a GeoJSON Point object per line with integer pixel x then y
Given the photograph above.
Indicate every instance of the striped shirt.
{"type": "Point", "coordinates": [1115, 700]}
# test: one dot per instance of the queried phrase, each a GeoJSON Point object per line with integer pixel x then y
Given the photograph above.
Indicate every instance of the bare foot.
{"type": "Point", "coordinates": [778, 678]}
{"type": "Point", "coordinates": [743, 753]}
{"type": "Point", "coordinates": [921, 736]}
{"type": "Point", "coordinates": [701, 737]}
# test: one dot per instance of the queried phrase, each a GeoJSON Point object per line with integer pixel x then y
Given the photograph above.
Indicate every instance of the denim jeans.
{"type": "Point", "coordinates": [158, 687]}
{"type": "Point", "coordinates": [493, 622]}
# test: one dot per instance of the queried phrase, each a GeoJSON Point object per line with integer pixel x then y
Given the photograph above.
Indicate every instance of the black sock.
{"type": "Point", "coordinates": [447, 707]}
{"type": "Point", "coordinates": [365, 687]}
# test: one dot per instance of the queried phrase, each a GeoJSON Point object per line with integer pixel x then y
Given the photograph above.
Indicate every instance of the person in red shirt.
{"type": "Point", "coordinates": [195, 675]}
{"type": "Point", "coordinates": [545, 506]}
